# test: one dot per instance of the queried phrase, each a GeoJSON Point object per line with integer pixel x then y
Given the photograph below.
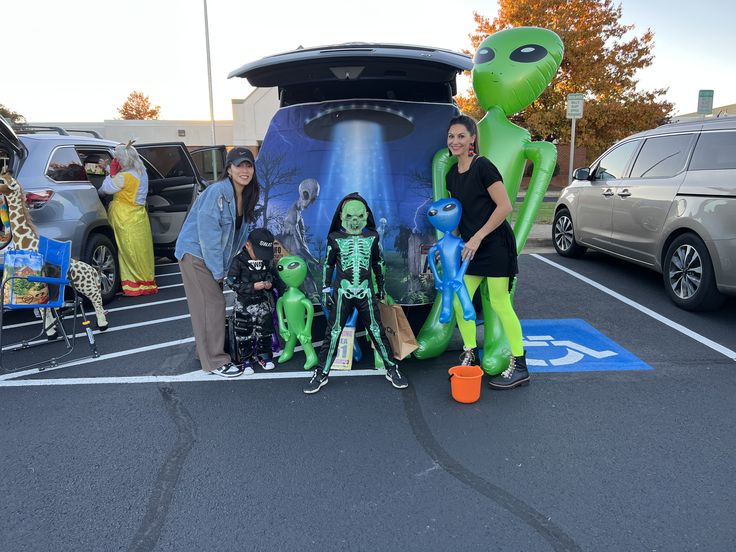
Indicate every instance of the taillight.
{"type": "Point", "coordinates": [38, 199]}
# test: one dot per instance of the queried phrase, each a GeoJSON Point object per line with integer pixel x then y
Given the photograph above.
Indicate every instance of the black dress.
{"type": "Point", "coordinates": [496, 255]}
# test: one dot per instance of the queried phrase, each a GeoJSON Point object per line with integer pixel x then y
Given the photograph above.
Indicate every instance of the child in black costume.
{"type": "Point", "coordinates": [252, 277]}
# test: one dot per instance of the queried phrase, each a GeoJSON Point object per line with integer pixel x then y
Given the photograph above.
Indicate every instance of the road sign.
{"type": "Point", "coordinates": [705, 102]}
{"type": "Point", "coordinates": [575, 106]}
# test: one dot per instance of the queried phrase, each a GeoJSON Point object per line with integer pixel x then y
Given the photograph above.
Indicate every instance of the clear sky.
{"type": "Point", "coordinates": [77, 60]}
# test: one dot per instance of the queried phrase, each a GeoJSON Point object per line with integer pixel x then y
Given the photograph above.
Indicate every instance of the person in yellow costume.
{"type": "Point", "coordinates": [127, 182]}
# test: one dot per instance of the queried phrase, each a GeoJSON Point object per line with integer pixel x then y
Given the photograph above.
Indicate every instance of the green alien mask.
{"type": "Point", "coordinates": [354, 216]}
{"type": "Point", "coordinates": [514, 66]}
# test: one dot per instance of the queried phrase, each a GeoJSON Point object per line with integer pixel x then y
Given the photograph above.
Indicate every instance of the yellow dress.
{"type": "Point", "coordinates": [129, 219]}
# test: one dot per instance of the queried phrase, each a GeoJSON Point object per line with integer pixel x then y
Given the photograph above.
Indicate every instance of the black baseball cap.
{"type": "Point", "coordinates": [261, 240]}
{"type": "Point", "coordinates": [237, 155]}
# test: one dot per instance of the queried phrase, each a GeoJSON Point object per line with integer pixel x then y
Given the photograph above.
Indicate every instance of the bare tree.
{"type": "Point", "coordinates": [274, 178]}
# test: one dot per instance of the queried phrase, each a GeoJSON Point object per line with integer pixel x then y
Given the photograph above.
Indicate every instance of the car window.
{"type": "Point", "coordinates": [613, 164]}
{"type": "Point", "coordinates": [208, 163]}
{"type": "Point", "coordinates": [66, 166]}
{"type": "Point", "coordinates": [714, 150]}
{"type": "Point", "coordinates": [662, 156]}
{"type": "Point", "coordinates": [168, 161]}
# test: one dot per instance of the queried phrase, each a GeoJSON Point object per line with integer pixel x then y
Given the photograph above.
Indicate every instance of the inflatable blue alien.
{"type": "Point", "coordinates": [444, 215]}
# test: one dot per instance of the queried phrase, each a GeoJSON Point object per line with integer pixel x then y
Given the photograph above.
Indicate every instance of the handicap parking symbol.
{"type": "Point", "coordinates": [573, 345]}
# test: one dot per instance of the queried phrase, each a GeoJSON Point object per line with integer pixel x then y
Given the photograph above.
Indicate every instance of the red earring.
{"type": "Point", "coordinates": [471, 150]}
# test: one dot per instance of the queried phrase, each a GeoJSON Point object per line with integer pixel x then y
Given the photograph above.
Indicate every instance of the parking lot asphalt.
{"type": "Point", "coordinates": [139, 450]}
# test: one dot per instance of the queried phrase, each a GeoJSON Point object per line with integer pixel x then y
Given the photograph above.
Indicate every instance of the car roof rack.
{"type": "Point", "coordinates": [93, 133]}
{"type": "Point", "coordinates": [33, 129]}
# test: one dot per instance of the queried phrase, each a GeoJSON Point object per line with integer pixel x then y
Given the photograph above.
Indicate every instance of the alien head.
{"type": "Point", "coordinates": [354, 216]}
{"type": "Point", "coordinates": [308, 192]}
{"type": "Point", "coordinates": [444, 214]}
{"type": "Point", "coordinates": [514, 66]}
{"type": "Point", "coordinates": [292, 270]}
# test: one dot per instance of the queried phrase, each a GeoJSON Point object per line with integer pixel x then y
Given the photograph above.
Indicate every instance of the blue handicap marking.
{"type": "Point", "coordinates": [573, 345]}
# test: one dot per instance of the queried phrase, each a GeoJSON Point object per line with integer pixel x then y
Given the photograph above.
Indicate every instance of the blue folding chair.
{"type": "Point", "coordinates": [56, 258]}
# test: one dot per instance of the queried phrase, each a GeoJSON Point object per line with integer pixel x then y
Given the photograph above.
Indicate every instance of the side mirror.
{"type": "Point", "coordinates": [581, 174]}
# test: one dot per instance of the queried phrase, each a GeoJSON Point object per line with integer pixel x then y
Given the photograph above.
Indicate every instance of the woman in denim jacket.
{"type": "Point", "coordinates": [214, 231]}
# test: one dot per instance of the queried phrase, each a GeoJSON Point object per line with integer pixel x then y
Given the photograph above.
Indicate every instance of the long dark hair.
{"type": "Point", "coordinates": [470, 125]}
{"type": "Point", "coordinates": [250, 194]}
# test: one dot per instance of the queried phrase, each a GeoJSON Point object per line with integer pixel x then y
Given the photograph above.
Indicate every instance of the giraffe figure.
{"type": "Point", "coordinates": [86, 280]}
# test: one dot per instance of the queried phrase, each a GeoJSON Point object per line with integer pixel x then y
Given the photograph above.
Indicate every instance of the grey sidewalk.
{"type": "Point", "coordinates": [540, 236]}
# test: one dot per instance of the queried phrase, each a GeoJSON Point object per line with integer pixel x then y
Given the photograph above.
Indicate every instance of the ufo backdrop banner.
{"type": "Point", "coordinates": [315, 154]}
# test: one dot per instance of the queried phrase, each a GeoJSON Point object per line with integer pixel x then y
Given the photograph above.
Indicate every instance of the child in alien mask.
{"type": "Point", "coordinates": [353, 254]}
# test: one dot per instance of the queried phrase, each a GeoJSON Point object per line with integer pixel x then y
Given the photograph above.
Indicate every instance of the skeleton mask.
{"type": "Point", "coordinates": [354, 216]}
{"type": "Point", "coordinates": [308, 192]}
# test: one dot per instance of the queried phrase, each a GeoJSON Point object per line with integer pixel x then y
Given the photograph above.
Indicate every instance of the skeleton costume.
{"type": "Point", "coordinates": [353, 254]}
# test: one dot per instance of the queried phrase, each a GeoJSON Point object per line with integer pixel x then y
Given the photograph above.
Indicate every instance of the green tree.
{"type": "Point", "coordinates": [601, 60]}
{"type": "Point", "coordinates": [138, 107]}
{"type": "Point", "coordinates": [12, 116]}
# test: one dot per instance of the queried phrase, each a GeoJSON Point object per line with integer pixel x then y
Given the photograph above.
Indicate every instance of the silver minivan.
{"type": "Point", "coordinates": [665, 199]}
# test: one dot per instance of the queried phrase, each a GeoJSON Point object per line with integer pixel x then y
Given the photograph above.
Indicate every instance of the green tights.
{"type": "Point", "coordinates": [498, 291]}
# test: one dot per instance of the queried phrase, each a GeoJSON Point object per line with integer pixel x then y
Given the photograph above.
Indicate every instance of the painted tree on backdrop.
{"type": "Point", "coordinates": [598, 62]}
{"type": "Point", "coordinates": [138, 107]}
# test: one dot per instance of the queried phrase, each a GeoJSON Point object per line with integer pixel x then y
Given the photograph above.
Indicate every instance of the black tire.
{"type": "Point", "coordinates": [101, 254]}
{"type": "Point", "coordinates": [563, 236]}
{"type": "Point", "coordinates": [688, 275]}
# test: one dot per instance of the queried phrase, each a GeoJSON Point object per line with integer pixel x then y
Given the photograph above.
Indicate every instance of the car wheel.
{"type": "Point", "coordinates": [688, 275]}
{"type": "Point", "coordinates": [101, 254]}
{"type": "Point", "coordinates": [563, 235]}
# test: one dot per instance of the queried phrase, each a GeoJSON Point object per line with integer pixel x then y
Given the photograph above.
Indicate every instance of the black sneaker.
{"type": "Point", "coordinates": [318, 381]}
{"type": "Point", "coordinates": [265, 363]}
{"type": "Point", "coordinates": [515, 375]}
{"type": "Point", "coordinates": [468, 358]}
{"type": "Point", "coordinates": [229, 370]}
{"type": "Point", "coordinates": [396, 378]}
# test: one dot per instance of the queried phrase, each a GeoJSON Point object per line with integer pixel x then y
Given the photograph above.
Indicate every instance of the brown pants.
{"type": "Point", "coordinates": [207, 308]}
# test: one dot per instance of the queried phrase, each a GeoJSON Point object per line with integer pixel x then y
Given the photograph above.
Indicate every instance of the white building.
{"type": "Point", "coordinates": [251, 117]}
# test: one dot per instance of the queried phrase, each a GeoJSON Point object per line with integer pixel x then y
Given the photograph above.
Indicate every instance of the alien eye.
{"type": "Point", "coordinates": [529, 53]}
{"type": "Point", "coordinates": [432, 212]}
{"type": "Point", "coordinates": [280, 268]}
{"type": "Point", "coordinates": [292, 266]}
{"type": "Point", "coordinates": [484, 55]}
{"type": "Point", "coordinates": [449, 207]}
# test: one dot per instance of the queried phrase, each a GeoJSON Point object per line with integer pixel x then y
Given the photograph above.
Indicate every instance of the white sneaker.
{"type": "Point", "coordinates": [229, 370]}
{"type": "Point", "coordinates": [265, 363]}
{"type": "Point", "coordinates": [247, 368]}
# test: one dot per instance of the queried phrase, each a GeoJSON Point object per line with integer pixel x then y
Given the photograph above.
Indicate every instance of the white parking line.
{"type": "Point", "coordinates": [192, 377]}
{"type": "Point", "coordinates": [641, 308]}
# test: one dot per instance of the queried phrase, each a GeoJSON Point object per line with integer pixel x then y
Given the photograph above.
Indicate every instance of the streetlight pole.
{"type": "Point", "coordinates": [209, 71]}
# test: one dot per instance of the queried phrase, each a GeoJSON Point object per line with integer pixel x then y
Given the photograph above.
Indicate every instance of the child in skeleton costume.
{"type": "Point", "coordinates": [353, 253]}
{"type": "Point", "coordinates": [252, 277]}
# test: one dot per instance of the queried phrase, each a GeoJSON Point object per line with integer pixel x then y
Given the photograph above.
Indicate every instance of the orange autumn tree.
{"type": "Point", "coordinates": [138, 107]}
{"type": "Point", "coordinates": [601, 60]}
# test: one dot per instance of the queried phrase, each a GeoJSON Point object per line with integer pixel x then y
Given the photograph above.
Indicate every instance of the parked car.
{"type": "Point", "coordinates": [60, 175]}
{"type": "Point", "coordinates": [664, 199]}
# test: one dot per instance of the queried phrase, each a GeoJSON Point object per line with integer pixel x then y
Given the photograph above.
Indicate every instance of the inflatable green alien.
{"type": "Point", "coordinates": [512, 68]}
{"type": "Point", "coordinates": [291, 308]}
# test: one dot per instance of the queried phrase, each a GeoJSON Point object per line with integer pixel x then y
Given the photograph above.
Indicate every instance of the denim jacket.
{"type": "Point", "coordinates": [209, 229]}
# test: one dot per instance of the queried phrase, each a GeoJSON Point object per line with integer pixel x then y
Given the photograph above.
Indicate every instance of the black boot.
{"type": "Point", "coordinates": [515, 375]}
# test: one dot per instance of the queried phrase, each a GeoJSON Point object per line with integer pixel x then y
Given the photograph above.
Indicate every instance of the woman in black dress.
{"type": "Point", "coordinates": [489, 244]}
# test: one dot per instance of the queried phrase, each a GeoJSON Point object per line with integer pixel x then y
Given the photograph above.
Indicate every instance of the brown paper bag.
{"type": "Point", "coordinates": [399, 333]}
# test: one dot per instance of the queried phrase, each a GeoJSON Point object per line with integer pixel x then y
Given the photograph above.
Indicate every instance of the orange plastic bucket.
{"type": "Point", "coordinates": [465, 383]}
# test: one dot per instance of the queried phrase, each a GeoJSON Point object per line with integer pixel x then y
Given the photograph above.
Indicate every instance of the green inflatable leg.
{"type": "Point", "coordinates": [434, 337]}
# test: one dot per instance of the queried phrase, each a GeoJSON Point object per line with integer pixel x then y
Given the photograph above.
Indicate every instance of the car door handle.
{"type": "Point", "coordinates": [624, 193]}
{"type": "Point", "coordinates": [608, 192]}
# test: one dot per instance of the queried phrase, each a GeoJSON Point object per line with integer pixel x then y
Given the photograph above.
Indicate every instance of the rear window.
{"type": "Point", "coordinates": [714, 150]}
{"type": "Point", "coordinates": [662, 157]}
{"type": "Point", "coordinates": [66, 166]}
